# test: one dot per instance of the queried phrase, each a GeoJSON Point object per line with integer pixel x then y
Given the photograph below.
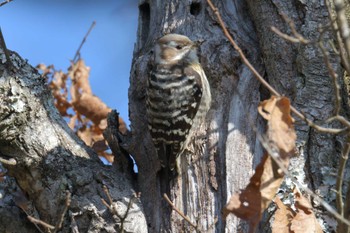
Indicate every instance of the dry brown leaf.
{"type": "Point", "coordinates": [81, 77]}
{"type": "Point", "coordinates": [92, 107]}
{"type": "Point", "coordinates": [90, 135]}
{"type": "Point", "coordinates": [62, 104]}
{"type": "Point", "coordinates": [281, 133]}
{"type": "Point", "coordinates": [45, 69]}
{"type": "Point", "coordinates": [42, 67]}
{"type": "Point", "coordinates": [301, 202]}
{"type": "Point", "coordinates": [304, 220]}
{"type": "Point", "coordinates": [266, 107]}
{"type": "Point", "coordinates": [72, 122]}
{"type": "Point", "coordinates": [255, 198]}
{"type": "Point", "coordinates": [60, 80]}
{"type": "Point", "coordinates": [79, 74]}
{"type": "Point", "coordinates": [282, 217]}
{"type": "Point", "coordinates": [85, 134]}
{"type": "Point", "coordinates": [89, 117]}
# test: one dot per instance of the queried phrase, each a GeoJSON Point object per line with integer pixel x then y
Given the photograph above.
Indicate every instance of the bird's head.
{"type": "Point", "coordinates": [173, 48]}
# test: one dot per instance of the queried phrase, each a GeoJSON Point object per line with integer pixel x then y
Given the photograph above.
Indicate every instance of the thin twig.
{"type": "Point", "coordinates": [262, 80]}
{"type": "Point", "coordinates": [285, 36]}
{"type": "Point", "coordinates": [66, 206]}
{"type": "Point", "coordinates": [106, 191]}
{"type": "Point", "coordinates": [344, 121]}
{"type": "Point", "coordinates": [294, 31]}
{"type": "Point", "coordinates": [298, 38]}
{"type": "Point", "coordinates": [343, 25]}
{"type": "Point", "coordinates": [346, 207]}
{"type": "Point", "coordinates": [40, 222]}
{"type": "Point", "coordinates": [240, 52]}
{"type": "Point", "coordinates": [342, 51]}
{"type": "Point", "coordinates": [179, 212]}
{"type": "Point", "coordinates": [5, 2]}
{"type": "Point", "coordinates": [109, 205]}
{"type": "Point", "coordinates": [131, 201]}
{"type": "Point", "coordinates": [114, 210]}
{"type": "Point", "coordinates": [104, 202]}
{"type": "Point", "coordinates": [77, 54]}
{"type": "Point", "coordinates": [340, 179]}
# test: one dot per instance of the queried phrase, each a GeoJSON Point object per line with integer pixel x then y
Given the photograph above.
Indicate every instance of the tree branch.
{"type": "Point", "coordinates": [340, 180]}
{"type": "Point", "coordinates": [5, 2]}
{"type": "Point", "coordinates": [51, 158]}
{"type": "Point", "coordinates": [77, 54]}
{"type": "Point", "coordinates": [179, 212]}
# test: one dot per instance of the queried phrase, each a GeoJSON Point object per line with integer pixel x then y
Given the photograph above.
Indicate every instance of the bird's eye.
{"type": "Point", "coordinates": [178, 47]}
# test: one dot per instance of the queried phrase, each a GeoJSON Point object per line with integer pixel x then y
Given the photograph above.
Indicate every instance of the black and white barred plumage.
{"type": "Point", "coordinates": [178, 96]}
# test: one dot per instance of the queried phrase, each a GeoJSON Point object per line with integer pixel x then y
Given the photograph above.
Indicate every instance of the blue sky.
{"type": "Point", "coordinates": [50, 32]}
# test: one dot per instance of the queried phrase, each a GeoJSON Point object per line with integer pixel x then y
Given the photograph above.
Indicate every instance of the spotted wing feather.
{"type": "Point", "coordinates": [173, 98]}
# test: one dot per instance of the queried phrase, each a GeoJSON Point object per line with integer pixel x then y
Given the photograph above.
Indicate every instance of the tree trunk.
{"type": "Point", "coordinates": [227, 151]}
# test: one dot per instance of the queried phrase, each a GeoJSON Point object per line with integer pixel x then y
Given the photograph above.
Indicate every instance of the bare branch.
{"type": "Point", "coordinates": [40, 222]}
{"type": "Point", "coordinates": [343, 25]}
{"type": "Point", "coordinates": [114, 210]}
{"type": "Point", "coordinates": [298, 38]}
{"type": "Point", "coordinates": [106, 191]}
{"type": "Point", "coordinates": [294, 31]}
{"type": "Point", "coordinates": [5, 2]}
{"type": "Point", "coordinates": [340, 179]}
{"type": "Point", "coordinates": [240, 52]}
{"type": "Point", "coordinates": [285, 36]}
{"type": "Point", "coordinates": [66, 206]}
{"type": "Point", "coordinates": [178, 211]}
{"type": "Point", "coordinates": [342, 51]}
{"type": "Point", "coordinates": [346, 207]}
{"type": "Point", "coordinates": [77, 54]}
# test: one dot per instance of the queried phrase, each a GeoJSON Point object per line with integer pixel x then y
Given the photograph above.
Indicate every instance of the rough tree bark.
{"type": "Point", "coordinates": [299, 72]}
{"type": "Point", "coordinates": [223, 154]}
{"type": "Point", "coordinates": [51, 160]}
{"type": "Point", "coordinates": [226, 153]}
